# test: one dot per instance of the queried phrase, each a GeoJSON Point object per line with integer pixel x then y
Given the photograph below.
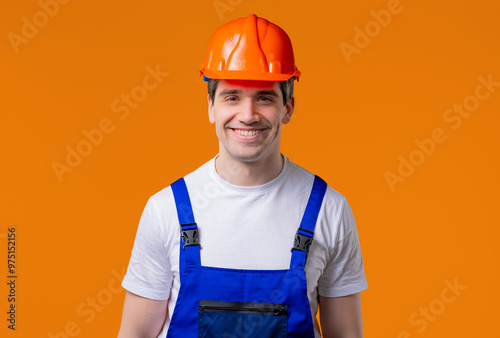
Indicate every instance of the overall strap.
{"type": "Point", "coordinates": [189, 243]}
{"type": "Point", "coordinates": [305, 233]}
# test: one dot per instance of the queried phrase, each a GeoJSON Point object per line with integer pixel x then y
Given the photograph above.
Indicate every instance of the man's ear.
{"type": "Point", "coordinates": [211, 116]}
{"type": "Point", "coordinates": [289, 110]}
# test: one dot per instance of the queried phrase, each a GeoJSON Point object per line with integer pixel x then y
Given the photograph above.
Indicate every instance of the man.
{"type": "Point", "coordinates": [249, 244]}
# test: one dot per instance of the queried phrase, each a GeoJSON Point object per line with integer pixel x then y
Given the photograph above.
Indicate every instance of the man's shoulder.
{"type": "Point", "coordinates": [298, 173]}
{"type": "Point", "coordinates": [200, 173]}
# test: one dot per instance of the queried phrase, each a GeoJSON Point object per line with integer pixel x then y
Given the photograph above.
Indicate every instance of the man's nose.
{"type": "Point", "coordinates": [248, 112]}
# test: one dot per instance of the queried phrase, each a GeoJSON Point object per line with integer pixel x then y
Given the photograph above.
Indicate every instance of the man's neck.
{"type": "Point", "coordinates": [248, 174]}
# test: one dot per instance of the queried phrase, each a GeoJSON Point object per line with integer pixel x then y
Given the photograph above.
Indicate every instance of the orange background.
{"type": "Point", "coordinates": [353, 121]}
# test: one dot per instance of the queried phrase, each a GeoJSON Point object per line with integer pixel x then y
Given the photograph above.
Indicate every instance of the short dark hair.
{"type": "Point", "coordinates": [285, 86]}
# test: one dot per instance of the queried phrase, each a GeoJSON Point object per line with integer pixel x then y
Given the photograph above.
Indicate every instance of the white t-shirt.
{"type": "Point", "coordinates": [247, 228]}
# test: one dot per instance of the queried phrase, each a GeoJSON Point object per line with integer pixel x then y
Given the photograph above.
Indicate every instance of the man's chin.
{"type": "Point", "coordinates": [247, 157]}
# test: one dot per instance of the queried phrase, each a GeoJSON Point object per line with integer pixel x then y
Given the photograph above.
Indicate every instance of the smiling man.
{"type": "Point", "coordinates": [248, 115]}
{"type": "Point", "coordinates": [249, 244]}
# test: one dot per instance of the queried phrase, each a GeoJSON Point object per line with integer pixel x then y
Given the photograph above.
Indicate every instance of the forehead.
{"type": "Point", "coordinates": [248, 86]}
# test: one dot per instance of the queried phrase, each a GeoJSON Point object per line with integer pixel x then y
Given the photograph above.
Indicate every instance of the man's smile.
{"type": "Point", "coordinates": [247, 132]}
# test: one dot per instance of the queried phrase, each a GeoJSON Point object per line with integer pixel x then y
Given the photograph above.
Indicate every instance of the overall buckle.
{"type": "Point", "coordinates": [302, 242]}
{"type": "Point", "coordinates": [189, 237]}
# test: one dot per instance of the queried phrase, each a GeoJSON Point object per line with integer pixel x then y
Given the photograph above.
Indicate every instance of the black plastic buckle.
{"type": "Point", "coordinates": [301, 242]}
{"type": "Point", "coordinates": [189, 237]}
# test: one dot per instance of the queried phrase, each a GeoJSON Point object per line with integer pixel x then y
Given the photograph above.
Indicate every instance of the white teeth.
{"type": "Point", "coordinates": [247, 132]}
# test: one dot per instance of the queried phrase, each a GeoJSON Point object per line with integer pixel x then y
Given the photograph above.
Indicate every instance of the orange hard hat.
{"type": "Point", "coordinates": [249, 48]}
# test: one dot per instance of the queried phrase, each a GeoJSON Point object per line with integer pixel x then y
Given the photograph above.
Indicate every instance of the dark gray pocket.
{"type": "Point", "coordinates": [241, 319]}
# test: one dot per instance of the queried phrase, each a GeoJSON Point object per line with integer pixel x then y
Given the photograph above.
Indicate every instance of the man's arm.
{"type": "Point", "coordinates": [340, 317]}
{"type": "Point", "coordinates": [142, 317]}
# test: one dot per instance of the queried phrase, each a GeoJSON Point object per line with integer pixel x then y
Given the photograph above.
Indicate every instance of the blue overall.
{"type": "Point", "coordinates": [230, 303]}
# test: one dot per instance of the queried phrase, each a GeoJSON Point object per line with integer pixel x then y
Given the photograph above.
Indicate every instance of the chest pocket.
{"type": "Point", "coordinates": [242, 319]}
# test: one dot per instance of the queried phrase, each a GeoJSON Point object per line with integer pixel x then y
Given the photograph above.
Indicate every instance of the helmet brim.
{"type": "Point", "coordinates": [246, 75]}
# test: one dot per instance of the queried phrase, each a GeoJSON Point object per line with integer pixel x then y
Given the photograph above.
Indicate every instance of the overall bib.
{"type": "Point", "coordinates": [234, 303]}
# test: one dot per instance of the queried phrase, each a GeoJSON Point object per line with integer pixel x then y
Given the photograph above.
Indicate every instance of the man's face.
{"type": "Point", "coordinates": [248, 117]}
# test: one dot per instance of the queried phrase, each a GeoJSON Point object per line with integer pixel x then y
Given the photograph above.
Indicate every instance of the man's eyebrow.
{"type": "Point", "coordinates": [268, 92]}
{"type": "Point", "coordinates": [239, 92]}
{"type": "Point", "coordinates": [229, 92]}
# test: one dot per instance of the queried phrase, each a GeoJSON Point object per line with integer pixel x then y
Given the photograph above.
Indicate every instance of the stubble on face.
{"type": "Point", "coordinates": [248, 117]}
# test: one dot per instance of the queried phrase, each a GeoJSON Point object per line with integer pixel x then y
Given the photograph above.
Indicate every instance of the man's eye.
{"type": "Point", "coordinates": [231, 98]}
{"type": "Point", "coordinates": [265, 98]}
